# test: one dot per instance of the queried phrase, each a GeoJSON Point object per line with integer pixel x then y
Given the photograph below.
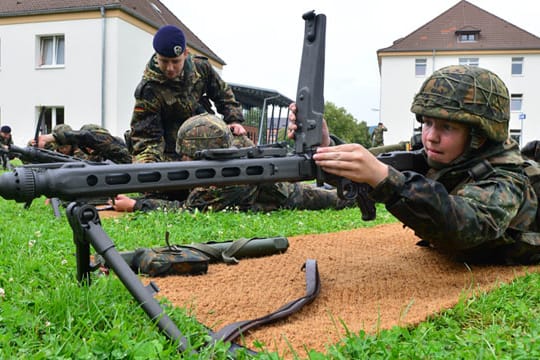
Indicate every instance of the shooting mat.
{"type": "Point", "coordinates": [371, 278]}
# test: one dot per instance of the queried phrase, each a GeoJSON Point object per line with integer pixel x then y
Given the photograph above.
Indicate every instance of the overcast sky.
{"type": "Point", "coordinates": [261, 41]}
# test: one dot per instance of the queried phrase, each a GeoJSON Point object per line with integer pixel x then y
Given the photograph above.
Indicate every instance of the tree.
{"type": "Point", "coordinates": [341, 124]}
{"type": "Point", "coordinates": [345, 126]}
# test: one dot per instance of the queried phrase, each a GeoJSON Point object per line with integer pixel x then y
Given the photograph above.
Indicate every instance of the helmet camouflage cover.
{"type": "Point", "coordinates": [204, 131]}
{"type": "Point", "coordinates": [94, 128]}
{"type": "Point", "coordinates": [466, 94]}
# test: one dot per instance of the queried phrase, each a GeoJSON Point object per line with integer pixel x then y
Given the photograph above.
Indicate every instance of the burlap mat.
{"type": "Point", "coordinates": [371, 279]}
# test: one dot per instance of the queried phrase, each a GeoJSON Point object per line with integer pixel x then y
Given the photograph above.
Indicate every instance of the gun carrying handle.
{"type": "Point", "coordinates": [310, 91]}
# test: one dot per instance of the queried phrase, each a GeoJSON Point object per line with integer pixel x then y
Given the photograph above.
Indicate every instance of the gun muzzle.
{"type": "Point", "coordinates": [18, 185]}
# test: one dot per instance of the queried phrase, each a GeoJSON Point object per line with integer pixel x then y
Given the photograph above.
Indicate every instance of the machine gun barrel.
{"type": "Point", "coordinates": [80, 181]}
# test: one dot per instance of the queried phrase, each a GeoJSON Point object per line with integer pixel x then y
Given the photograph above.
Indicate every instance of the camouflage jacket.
{"type": "Point", "coordinates": [97, 144]}
{"type": "Point", "coordinates": [477, 218]}
{"type": "Point", "coordinates": [162, 105]}
{"type": "Point", "coordinates": [6, 141]}
{"type": "Point", "coordinates": [263, 197]}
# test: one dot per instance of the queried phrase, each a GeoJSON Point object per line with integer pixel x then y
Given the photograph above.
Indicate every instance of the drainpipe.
{"type": "Point", "coordinates": [103, 38]}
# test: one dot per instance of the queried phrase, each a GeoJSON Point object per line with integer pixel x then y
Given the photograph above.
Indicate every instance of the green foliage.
{"type": "Point", "coordinates": [345, 126]}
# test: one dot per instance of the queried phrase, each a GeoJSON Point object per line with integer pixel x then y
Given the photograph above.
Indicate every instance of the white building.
{"type": "Point", "coordinates": [464, 34]}
{"type": "Point", "coordinates": [80, 59]}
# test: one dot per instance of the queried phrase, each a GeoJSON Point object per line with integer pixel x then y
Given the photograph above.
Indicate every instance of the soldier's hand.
{"type": "Point", "coordinates": [291, 127]}
{"type": "Point", "coordinates": [123, 203]}
{"type": "Point", "coordinates": [43, 140]}
{"type": "Point", "coordinates": [237, 129]}
{"type": "Point", "coordinates": [351, 161]}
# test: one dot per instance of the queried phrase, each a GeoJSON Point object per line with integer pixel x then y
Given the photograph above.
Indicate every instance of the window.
{"type": "Point", "coordinates": [52, 116]}
{"type": "Point", "coordinates": [467, 34]}
{"type": "Point", "coordinates": [467, 37]}
{"type": "Point", "coordinates": [517, 66]}
{"type": "Point", "coordinates": [469, 61]}
{"type": "Point", "coordinates": [420, 67]}
{"type": "Point", "coordinates": [51, 51]}
{"type": "Point", "coordinates": [516, 101]}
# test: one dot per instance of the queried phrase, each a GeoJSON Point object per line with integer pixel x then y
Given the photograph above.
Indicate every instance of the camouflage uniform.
{"type": "Point", "coordinates": [6, 141]}
{"type": "Point", "coordinates": [96, 143]}
{"type": "Point", "coordinates": [531, 150]}
{"type": "Point", "coordinates": [474, 209]}
{"type": "Point", "coordinates": [162, 105]}
{"type": "Point", "coordinates": [377, 138]}
{"type": "Point", "coordinates": [209, 132]}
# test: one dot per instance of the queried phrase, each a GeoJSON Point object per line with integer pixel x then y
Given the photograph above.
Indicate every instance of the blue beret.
{"type": "Point", "coordinates": [169, 41]}
{"type": "Point", "coordinates": [5, 129]}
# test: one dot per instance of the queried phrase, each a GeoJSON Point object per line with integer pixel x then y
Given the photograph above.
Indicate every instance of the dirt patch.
{"type": "Point", "coordinates": [371, 279]}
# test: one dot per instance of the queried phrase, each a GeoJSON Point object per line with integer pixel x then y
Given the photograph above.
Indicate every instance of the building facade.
{"type": "Point", "coordinates": [464, 34]}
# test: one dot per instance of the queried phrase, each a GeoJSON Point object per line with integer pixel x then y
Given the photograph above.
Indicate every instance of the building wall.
{"type": "Point", "coordinates": [128, 50]}
{"type": "Point", "coordinates": [27, 87]}
{"type": "Point", "coordinates": [399, 84]}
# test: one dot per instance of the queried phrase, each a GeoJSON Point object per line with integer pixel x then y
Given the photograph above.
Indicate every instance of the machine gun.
{"type": "Point", "coordinates": [35, 155]}
{"type": "Point", "coordinates": [80, 181]}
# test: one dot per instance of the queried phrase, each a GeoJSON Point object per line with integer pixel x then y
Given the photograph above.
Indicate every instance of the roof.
{"type": "Point", "coordinates": [439, 34]}
{"type": "Point", "coordinates": [250, 96]}
{"type": "Point", "coordinates": [151, 12]}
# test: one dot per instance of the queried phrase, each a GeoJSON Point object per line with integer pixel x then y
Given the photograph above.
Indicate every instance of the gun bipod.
{"type": "Point", "coordinates": [87, 230]}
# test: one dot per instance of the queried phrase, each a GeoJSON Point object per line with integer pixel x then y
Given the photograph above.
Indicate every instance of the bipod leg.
{"type": "Point", "coordinates": [76, 218]}
{"type": "Point", "coordinates": [84, 221]}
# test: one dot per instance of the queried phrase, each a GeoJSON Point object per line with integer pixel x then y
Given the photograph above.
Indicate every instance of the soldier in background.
{"type": "Point", "coordinates": [6, 139]}
{"type": "Point", "coordinates": [475, 202]}
{"type": "Point", "coordinates": [175, 86]}
{"type": "Point", "coordinates": [91, 142]}
{"type": "Point", "coordinates": [207, 131]}
{"type": "Point", "coordinates": [377, 138]}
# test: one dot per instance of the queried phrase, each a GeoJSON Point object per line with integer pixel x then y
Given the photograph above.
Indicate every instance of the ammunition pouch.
{"type": "Point", "coordinates": [169, 261]}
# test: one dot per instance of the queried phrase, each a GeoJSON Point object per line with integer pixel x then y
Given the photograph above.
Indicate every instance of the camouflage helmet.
{"type": "Point", "coordinates": [466, 94]}
{"type": "Point", "coordinates": [94, 128]}
{"type": "Point", "coordinates": [62, 128]}
{"type": "Point", "coordinates": [204, 131]}
{"type": "Point", "coordinates": [59, 133]}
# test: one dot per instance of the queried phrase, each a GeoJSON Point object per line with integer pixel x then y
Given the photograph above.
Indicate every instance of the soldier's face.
{"type": "Point", "coordinates": [444, 141]}
{"type": "Point", "coordinates": [171, 67]}
{"type": "Point", "coordinates": [64, 149]}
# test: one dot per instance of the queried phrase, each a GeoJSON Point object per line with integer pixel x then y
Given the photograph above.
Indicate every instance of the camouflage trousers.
{"type": "Point", "coordinates": [263, 197]}
{"type": "Point", "coordinates": [300, 196]}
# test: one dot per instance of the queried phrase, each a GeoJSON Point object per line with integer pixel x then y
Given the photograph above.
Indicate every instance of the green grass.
{"type": "Point", "coordinates": [45, 314]}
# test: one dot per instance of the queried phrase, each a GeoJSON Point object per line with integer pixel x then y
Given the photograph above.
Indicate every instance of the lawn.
{"type": "Point", "coordinates": [46, 314]}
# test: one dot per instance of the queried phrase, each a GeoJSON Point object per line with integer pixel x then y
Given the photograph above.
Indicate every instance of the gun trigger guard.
{"type": "Point", "coordinates": [347, 189]}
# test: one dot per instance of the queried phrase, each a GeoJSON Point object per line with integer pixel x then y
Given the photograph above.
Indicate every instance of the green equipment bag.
{"type": "Point", "coordinates": [169, 261]}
